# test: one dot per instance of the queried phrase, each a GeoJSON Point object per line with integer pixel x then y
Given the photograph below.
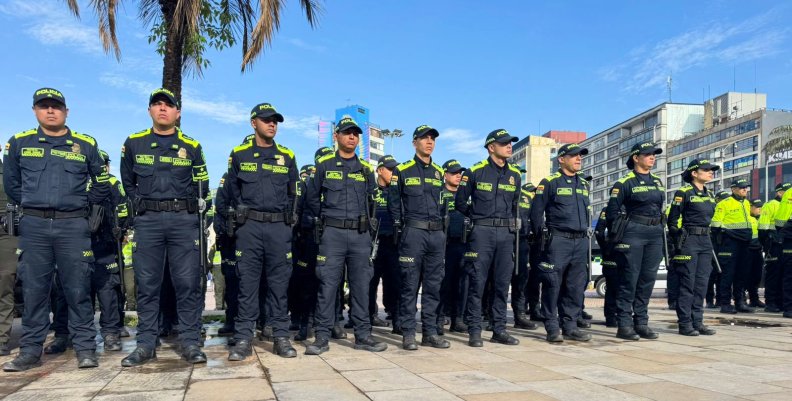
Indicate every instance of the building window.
{"type": "Point", "coordinates": [614, 136]}
{"type": "Point", "coordinates": [600, 156]}
{"type": "Point", "coordinates": [599, 169]}
{"type": "Point", "coordinates": [650, 121]}
{"type": "Point", "coordinates": [613, 164]}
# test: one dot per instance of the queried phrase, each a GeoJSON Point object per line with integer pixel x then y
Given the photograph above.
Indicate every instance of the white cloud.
{"type": "Point", "coordinates": [304, 45]}
{"type": "Point", "coordinates": [458, 140]}
{"type": "Point", "coordinates": [51, 23]}
{"type": "Point", "coordinates": [649, 66]}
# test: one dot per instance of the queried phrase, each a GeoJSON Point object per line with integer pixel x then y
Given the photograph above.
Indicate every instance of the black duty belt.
{"type": "Point", "coordinates": [266, 217]}
{"type": "Point", "coordinates": [175, 205]}
{"type": "Point", "coordinates": [693, 230]}
{"type": "Point", "coordinates": [645, 220]}
{"type": "Point", "coordinates": [425, 225]}
{"type": "Point", "coordinates": [347, 224]}
{"type": "Point", "coordinates": [569, 234]}
{"type": "Point", "coordinates": [511, 223]}
{"type": "Point", "coordinates": [54, 214]}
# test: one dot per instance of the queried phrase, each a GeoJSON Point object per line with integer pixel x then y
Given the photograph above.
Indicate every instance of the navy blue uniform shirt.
{"type": "Point", "coordinates": [492, 191]}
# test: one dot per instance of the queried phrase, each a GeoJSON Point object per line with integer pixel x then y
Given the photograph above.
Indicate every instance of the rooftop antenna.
{"type": "Point", "coordinates": [668, 85]}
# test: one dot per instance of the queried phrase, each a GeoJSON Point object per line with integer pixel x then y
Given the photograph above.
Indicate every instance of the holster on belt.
{"type": "Point", "coordinates": [96, 217]}
{"type": "Point", "coordinates": [547, 237]}
{"type": "Point", "coordinates": [241, 214]}
{"type": "Point", "coordinates": [230, 219]}
{"type": "Point", "coordinates": [468, 228]}
{"type": "Point", "coordinates": [619, 225]}
{"type": "Point", "coordinates": [11, 223]}
{"type": "Point", "coordinates": [318, 229]}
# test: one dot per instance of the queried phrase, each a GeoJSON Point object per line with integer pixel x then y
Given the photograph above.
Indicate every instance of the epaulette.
{"type": "Point", "coordinates": [366, 164]}
{"type": "Point", "coordinates": [406, 165]}
{"type": "Point", "coordinates": [140, 134]}
{"type": "Point", "coordinates": [85, 138]}
{"type": "Point", "coordinates": [627, 177]}
{"type": "Point", "coordinates": [479, 165]}
{"type": "Point", "coordinates": [242, 147]}
{"type": "Point", "coordinates": [553, 176]}
{"type": "Point", "coordinates": [513, 167]}
{"type": "Point", "coordinates": [325, 158]}
{"type": "Point", "coordinates": [26, 133]}
{"type": "Point", "coordinates": [685, 188]}
{"type": "Point", "coordinates": [249, 138]}
{"type": "Point", "coordinates": [186, 139]}
{"type": "Point", "coordinates": [285, 150]}
{"type": "Point", "coordinates": [438, 168]}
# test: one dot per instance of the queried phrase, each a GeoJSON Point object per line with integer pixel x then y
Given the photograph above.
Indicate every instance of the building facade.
{"type": "Point", "coordinates": [536, 154]}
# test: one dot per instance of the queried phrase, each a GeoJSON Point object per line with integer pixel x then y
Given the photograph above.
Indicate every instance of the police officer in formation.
{"type": "Point", "coordinates": [8, 272]}
{"type": "Point", "coordinates": [46, 172]}
{"type": "Point", "coordinates": [609, 270]}
{"type": "Point", "coordinates": [638, 244]}
{"type": "Point", "coordinates": [453, 292]}
{"type": "Point", "coordinates": [560, 214]}
{"type": "Point", "coordinates": [756, 257]}
{"type": "Point", "coordinates": [732, 229]}
{"type": "Point", "coordinates": [341, 195]}
{"type": "Point", "coordinates": [386, 262]}
{"type": "Point", "coordinates": [519, 284]}
{"type": "Point", "coordinates": [488, 197]}
{"type": "Point", "coordinates": [415, 205]}
{"type": "Point", "coordinates": [225, 244]}
{"type": "Point", "coordinates": [164, 174]}
{"type": "Point", "coordinates": [263, 177]}
{"type": "Point", "coordinates": [688, 222]}
{"type": "Point", "coordinates": [771, 244]}
{"type": "Point", "coordinates": [784, 230]}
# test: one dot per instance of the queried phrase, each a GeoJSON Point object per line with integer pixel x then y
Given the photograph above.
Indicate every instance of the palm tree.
{"type": "Point", "coordinates": [184, 28]}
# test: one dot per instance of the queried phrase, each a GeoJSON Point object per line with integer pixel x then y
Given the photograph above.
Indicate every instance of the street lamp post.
{"type": "Point", "coordinates": [396, 133]}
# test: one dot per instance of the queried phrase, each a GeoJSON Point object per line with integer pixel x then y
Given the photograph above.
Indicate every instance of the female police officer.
{"type": "Point", "coordinates": [637, 237]}
{"type": "Point", "coordinates": [693, 206]}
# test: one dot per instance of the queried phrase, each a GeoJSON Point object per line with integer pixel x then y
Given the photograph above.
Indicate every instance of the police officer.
{"type": "Point", "coordinates": [225, 243]}
{"type": "Point", "coordinates": [756, 257]}
{"type": "Point", "coordinates": [164, 172]}
{"type": "Point", "coordinates": [340, 195]}
{"type": "Point", "coordinates": [520, 280]}
{"type": "Point", "coordinates": [639, 249]}
{"type": "Point", "coordinates": [771, 243]}
{"type": "Point", "coordinates": [784, 230]}
{"type": "Point", "coordinates": [414, 203]}
{"type": "Point", "coordinates": [688, 224]}
{"type": "Point", "coordinates": [386, 262]}
{"type": "Point", "coordinates": [47, 170]}
{"type": "Point", "coordinates": [713, 286]}
{"type": "Point", "coordinates": [560, 214]}
{"type": "Point", "coordinates": [731, 226]}
{"type": "Point", "coordinates": [489, 197]}
{"type": "Point", "coordinates": [453, 292]}
{"type": "Point", "coordinates": [609, 270]}
{"type": "Point", "coordinates": [263, 179]}
{"type": "Point", "coordinates": [8, 273]}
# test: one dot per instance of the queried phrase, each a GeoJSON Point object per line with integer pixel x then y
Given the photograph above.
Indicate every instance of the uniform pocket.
{"type": "Point", "coordinates": [31, 173]}
{"type": "Point", "coordinates": [145, 179]}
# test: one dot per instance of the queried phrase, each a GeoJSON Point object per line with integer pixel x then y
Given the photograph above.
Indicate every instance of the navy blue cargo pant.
{"type": "Point", "coordinates": [489, 249]}
{"type": "Point", "coordinates": [305, 275]}
{"type": "Point", "coordinates": [263, 249]}
{"type": "Point", "coordinates": [228, 265]}
{"type": "Point", "coordinates": [735, 261]}
{"type": "Point", "coordinates": [520, 280]}
{"type": "Point", "coordinates": [421, 254]}
{"type": "Point", "coordinates": [563, 274]}
{"type": "Point", "coordinates": [45, 243]}
{"type": "Point", "coordinates": [773, 276]}
{"type": "Point", "coordinates": [106, 285]}
{"type": "Point", "coordinates": [453, 293]}
{"type": "Point", "coordinates": [338, 248]}
{"type": "Point", "coordinates": [173, 235]}
{"type": "Point", "coordinates": [386, 266]}
{"type": "Point", "coordinates": [693, 264]}
{"type": "Point", "coordinates": [637, 257]}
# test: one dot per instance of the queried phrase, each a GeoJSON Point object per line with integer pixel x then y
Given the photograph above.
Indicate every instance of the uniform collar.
{"type": "Point", "coordinates": [739, 198]}
{"type": "Point", "coordinates": [495, 165]}
{"type": "Point", "coordinates": [42, 137]}
{"type": "Point", "coordinates": [420, 162]}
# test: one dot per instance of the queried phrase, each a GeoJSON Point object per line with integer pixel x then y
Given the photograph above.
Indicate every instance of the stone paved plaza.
{"type": "Point", "coordinates": [748, 360]}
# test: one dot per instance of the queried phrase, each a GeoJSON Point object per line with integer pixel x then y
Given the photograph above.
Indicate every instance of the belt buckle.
{"type": "Point", "coordinates": [176, 206]}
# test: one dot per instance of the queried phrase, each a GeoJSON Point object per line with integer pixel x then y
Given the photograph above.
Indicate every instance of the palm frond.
{"type": "Point", "coordinates": [149, 11]}
{"type": "Point", "coordinates": [73, 7]}
{"type": "Point", "coordinates": [187, 17]}
{"type": "Point", "coordinates": [312, 9]}
{"type": "Point", "coordinates": [267, 24]}
{"type": "Point", "coordinates": [106, 15]}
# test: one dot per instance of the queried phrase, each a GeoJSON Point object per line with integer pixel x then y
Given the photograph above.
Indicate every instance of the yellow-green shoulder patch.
{"type": "Point", "coordinates": [243, 147]}
{"type": "Point", "coordinates": [186, 139]}
{"type": "Point", "coordinates": [552, 177]}
{"type": "Point", "coordinates": [85, 138]}
{"type": "Point", "coordinates": [140, 134]}
{"type": "Point", "coordinates": [513, 167]}
{"type": "Point", "coordinates": [26, 133]}
{"type": "Point", "coordinates": [285, 150]}
{"type": "Point", "coordinates": [478, 165]}
{"type": "Point", "coordinates": [626, 177]}
{"type": "Point", "coordinates": [325, 158]}
{"type": "Point", "coordinates": [406, 165]}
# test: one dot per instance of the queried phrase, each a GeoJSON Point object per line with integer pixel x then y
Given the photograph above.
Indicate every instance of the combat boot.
{"type": "Point", "coordinates": [504, 338]}
{"type": "Point", "coordinates": [138, 357]}
{"type": "Point", "coordinates": [435, 341]}
{"type": "Point", "coordinates": [112, 342]}
{"type": "Point", "coordinates": [627, 333]}
{"type": "Point", "coordinates": [646, 332]}
{"type": "Point", "coordinates": [408, 342]}
{"type": "Point", "coordinates": [22, 363]}
{"type": "Point", "coordinates": [87, 359]}
{"type": "Point", "coordinates": [521, 321]}
{"type": "Point", "coordinates": [58, 345]}
{"type": "Point", "coordinates": [474, 340]}
{"type": "Point", "coordinates": [368, 343]}
{"type": "Point", "coordinates": [319, 346]}
{"type": "Point", "coordinates": [338, 332]}
{"type": "Point", "coordinates": [283, 348]}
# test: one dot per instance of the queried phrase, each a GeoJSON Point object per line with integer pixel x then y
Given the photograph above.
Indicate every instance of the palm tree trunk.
{"type": "Point", "coordinates": [174, 46]}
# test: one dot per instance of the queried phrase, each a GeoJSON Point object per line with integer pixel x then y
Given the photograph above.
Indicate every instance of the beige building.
{"type": "Point", "coordinates": [534, 154]}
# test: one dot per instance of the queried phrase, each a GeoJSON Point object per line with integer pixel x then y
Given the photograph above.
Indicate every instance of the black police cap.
{"type": "Point", "coordinates": [783, 186]}
{"type": "Point", "coordinates": [697, 164]}
{"type": "Point", "coordinates": [425, 130]}
{"type": "Point", "coordinates": [322, 152]}
{"type": "Point", "coordinates": [740, 183]}
{"type": "Point", "coordinates": [347, 123]}
{"type": "Point", "coordinates": [266, 110]}
{"type": "Point", "coordinates": [48, 93]}
{"type": "Point", "coordinates": [453, 166]}
{"type": "Point", "coordinates": [571, 149]}
{"type": "Point", "coordinates": [164, 94]}
{"type": "Point", "coordinates": [387, 161]}
{"type": "Point", "coordinates": [643, 148]}
{"type": "Point", "coordinates": [499, 135]}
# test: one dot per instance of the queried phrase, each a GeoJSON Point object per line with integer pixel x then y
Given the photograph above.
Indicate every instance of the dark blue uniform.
{"type": "Point", "coordinates": [520, 280]}
{"type": "Point", "coordinates": [339, 193]}
{"type": "Point", "coordinates": [161, 175]}
{"type": "Point", "coordinates": [263, 181]}
{"type": "Point", "coordinates": [454, 291]}
{"type": "Point", "coordinates": [304, 274]}
{"type": "Point", "coordinates": [226, 244]}
{"type": "Point", "coordinates": [414, 202]}
{"type": "Point", "coordinates": [609, 270]}
{"type": "Point", "coordinates": [386, 264]}
{"type": "Point", "coordinates": [489, 195]}
{"type": "Point", "coordinates": [49, 177]}
{"type": "Point", "coordinates": [561, 206]}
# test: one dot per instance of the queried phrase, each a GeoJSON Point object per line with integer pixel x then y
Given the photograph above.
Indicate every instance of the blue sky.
{"type": "Point", "coordinates": [466, 69]}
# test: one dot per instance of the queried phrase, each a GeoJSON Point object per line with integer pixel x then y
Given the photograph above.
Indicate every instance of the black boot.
{"type": "Point", "coordinates": [504, 338]}
{"type": "Point", "coordinates": [475, 340]}
{"type": "Point", "coordinates": [319, 346]}
{"type": "Point", "coordinates": [112, 342]}
{"type": "Point", "coordinates": [583, 323]}
{"type": "Point", "coordinates": [240, 351]}
{"type": "Point", "coordinates": [5, 349]}
{"type": "Point", "coordinates": [22, 363]}
{"type": "Point", "coordinates": [555, 337]}
{"type": "Point", "coordinates": [87, 359]}
{"type": "Point", "coordinates": [338, 332]}
{"type": "Point", "coordinates": [611, 322]}
{"type": "Point", "coordinates": [728, 309]}
{"type": "Point", "coordinates": [368, 343]}
{"type": "Point", "coordinates": [225, 331]}
{"type": "Point", "coordinates": [283, 348]}
{"type": "Point", "coordinates": [521, 321]}
{"type": "Point", "coordinates": [577, 335]}
{"type": "Point", "coordinates": [408, 342]}
{"type": "Point", "coordinates": [265, 334]}
{"type": "Point", "coordinates": [458, 327]}
{"type": "Point", "coordinates": [705, 331]}
{"type": "Point", "coordinates": [645, 332]}
{"type": "Point", "coordinates": [627, 333]}
{"type": "Point", "coordinates": [586, 315]}
{"type": "Point", "coordinates": [302, 334]}
{"type": "Point", "coordinates": [435, 341]}
{"type": "Point", "coordinates": [377, 322]}
{"type": "Point", "coordinates": [688, 331]}
{"type": "Point", "coordinates": [193, 354]}
{"type": "Point", "coordinates": [138, 357]}
{"type": "Point", "coordinates": [743, 308]}
{"type": "Point", "coordinates": [58, 345]}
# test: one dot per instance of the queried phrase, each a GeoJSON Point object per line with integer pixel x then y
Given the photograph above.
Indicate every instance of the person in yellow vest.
{"type": "Point", "coordinates": [784, 230]}
{"type": "Point", "coordinates": [731, 226]}
{"type": "Point", "coordinates": [756, 257]}
{"type": "Point", "coordinates": [771, 243]}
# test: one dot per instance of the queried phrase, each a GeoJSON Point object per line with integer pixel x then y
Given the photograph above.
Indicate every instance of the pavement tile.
{"type": "Point", "coordinates": [603, 375]}
{"type": "Point", "coordinates": [782, 383]}
{"type": "Point", "coordinates": [166, 395]}
{"type": "Point", "coordinates": [218, 369]}
{"type": "Point", "coordinates": [247, 389]}
{"type": "Point", "coordinates": [755, 351]}
{"type": "Point", "coordinates": [725, 356]}
{"type": "Point", "coordinates": [579, 390]}
{"type": "Point", "coordinates": [131, 380]}
{"type": "Point", "coordinates": [665, 346]}
{"type": "Point", "coordinates": [306, 369]}
{"type": "Point", "coordinates": [667, 391]}
{"type": "Point", "coordinates": [385, 379]}
{"type": "Point", "coordinates": [636, 365]}
{"type": "Point", "coordinates": [475, 357]}
{"type": "Point", "coordinates": [426, 394]}
{"type": "Point", "coordinates": [55, 394]}
{"type": "Point", "coordinates": [577, 352]}
{"type": "Point", "coordinates": [720, 382]}
{"type": "Point", "coordinates": [358, 361]}
{"type": "Point", "coordinates": [470, 382]}
{"type": "Point", "coordinates": [782, 396]}
{"type": "Point", "coordinates": [319, 390]}
{"type": "Point", "coordinates": [670, 358]}
{"type": "Point", "coordinates": [511, 396]}
{"type": "Point", "coordinates": [542, 358]}
{"type": "Point", "coordinates": [752, 373]}
{"type": "Point", "coordinates": [75, 378]}
{"type": "Point", "coordinates": [427, 364]}
{"type": "Point", "coordinates": [520, 372]}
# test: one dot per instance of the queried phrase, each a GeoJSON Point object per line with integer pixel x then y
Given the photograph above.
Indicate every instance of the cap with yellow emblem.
{"type": "Point", "coordinates": [501, 136]}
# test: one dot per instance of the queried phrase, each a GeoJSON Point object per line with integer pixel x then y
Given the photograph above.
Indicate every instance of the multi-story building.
{"type": "Point", "coordinates": [536, 154]}
{"type": "Point", "coordinates": [376, 145]}
{"type": "Point", "coordinates": [608, 149]}
{"type": "Point", "coordinates": [372, 142]}
{"type": "Point", "coordinates": [737, 128]}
